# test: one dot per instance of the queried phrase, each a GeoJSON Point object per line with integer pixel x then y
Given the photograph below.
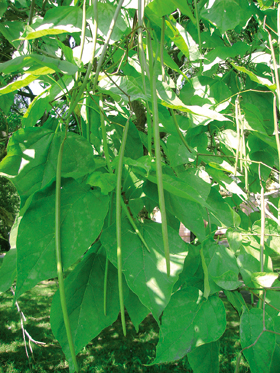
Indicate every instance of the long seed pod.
{"type": "Point", "coordinates": [262, 231]}
{"type": "Point", "coordinates": [130, 218]}
{"type": "Point", "coordinates": [118, 222]}
{"type": "Point", "coordinates": [238, 134]}
{"type": "Point", "coordinates": [199, 37]}
{"type": "Point", "coordinates": [108, 37]}
{"type": "Point", "coordinates": [85, 81]}
{"type": "Point", "coordinates": [179, 132]}
{"type": "Point", "coordinates": [142, 58]}
{"type": "Point", "coordinates": [59, 263]}
{"type": "Point", "coordinates": [83, 35]}
{"type": "Point", "coordinates": [162, 48]}
{"type": "Point", "coordinates": [158, 157]}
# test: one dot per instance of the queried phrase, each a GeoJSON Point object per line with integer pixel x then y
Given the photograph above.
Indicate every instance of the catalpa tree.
{"type": "Point", "coordinates": [169, 104]}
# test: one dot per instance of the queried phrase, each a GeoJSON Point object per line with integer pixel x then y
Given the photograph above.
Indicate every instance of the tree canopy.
{"type": "Point", "coordinates": [126, 106]}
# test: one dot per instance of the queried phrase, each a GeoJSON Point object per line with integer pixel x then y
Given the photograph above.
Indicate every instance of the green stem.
{"type": "Point", "coordinates": [118, 222]}
{"type": "Point", "coordinates": [262, 231]}
{"type": "Point", "coordinates": [130, 218]}
{"type": "Point", "coordinates": [150, 129]}
{"type": "Point", "coordinates": [158, 157]}
{"type": "Point", "coordinates": [82, 88]}
{"type": "Point", "coordinates": [262, 227]}
{"type": "Point", "coordinates": [179, 132]}
{"type": "Point", "coordinates": [206, 276]}
{"type": "Point", "coordinates": [108, 37]}
{"type": "Point", "coordinates": [238, 134]}
{"type": "Point", "coordinates": [238, 363]}
{"type": "Point", "coordinates": [162, 48]}
{"type": "Point", "coordinates": [107, 261]}
{"type": "Point", "coordinates": [276, 127]}
{"type": "Point", "coordinates": [59, 256]}
{"type": "Point", "coordinates": [32, 6]}
{"type": "Point", "coordinates": [142, 58]}
{"type": "Point", "coordinates": [104, 135]}
{"type": "Point", "coordinates": [105, 285]}
{"type": "Point", "coordinates": [199, 36]}
{"type": "Point", "coordinates": [83, 35]}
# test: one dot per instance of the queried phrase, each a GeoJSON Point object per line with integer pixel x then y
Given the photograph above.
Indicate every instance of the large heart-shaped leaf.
{"type": "Point", "coordinates": [58, 20]}
{"type": "Point", "coordinates": [84, 289]}
{"type": "Point", "coordinates": [205, 358]}
{"type": "Point", "coordinates": [261, 346]}
{"type": "Point", "coordinates": [188, 322]}
{"type": "Point", "coordinates": [145, 272]}
{"type": "Point", "coordinates": [31, 159]}
{"type": "Point", "coordinates": [222, 265]}
{"type": "Point", "coordinates": [220, 13]}
{"type": "Point", "coordinates": [82, 216]}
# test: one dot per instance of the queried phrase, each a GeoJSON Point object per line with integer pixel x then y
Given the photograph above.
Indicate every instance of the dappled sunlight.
{"type": "Point", "coordinates": [24, 162]}
{"type": "Point", "coordinates": [199, 342]}
{"type": "Point", "coordinates": [30, 153]}
{"type": "Point", "coordinates": [159, 296]}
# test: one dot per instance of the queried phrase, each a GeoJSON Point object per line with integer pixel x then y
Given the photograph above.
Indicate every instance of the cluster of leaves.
{"type": "Point", "coordinates": [171, 105]}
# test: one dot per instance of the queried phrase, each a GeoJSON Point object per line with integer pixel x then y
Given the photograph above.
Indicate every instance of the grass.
{"type": "Point", "coordinates": [109, 352]}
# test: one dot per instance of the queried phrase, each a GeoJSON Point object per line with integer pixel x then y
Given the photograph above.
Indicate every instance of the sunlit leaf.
{"type": "Point", "coordinates": [58, 20]}
{"type": "Point", "coordinates": [32, 158]}
{"type": "Point", "coordinates": [82, 216]}
{"type": "Point", "coordinates": [145, 272]}
{"type": "Point", "coordinates": [205, 358]}
{"type": "Point", "coordinates": [84, 289]}
{"type": "Point", "coordinates": [189, 321]}
{"type": "Point", "coordinates": [221, 11]}
{"type": "Point", "coordinates": [260, 347]}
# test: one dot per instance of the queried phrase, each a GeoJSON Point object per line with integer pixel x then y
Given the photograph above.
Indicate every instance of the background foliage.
{"type": "Point", "coordinates": [120, 108]}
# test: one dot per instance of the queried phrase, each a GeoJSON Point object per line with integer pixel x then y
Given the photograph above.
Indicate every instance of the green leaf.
{"type": "Point", "coordinates": [222, 265]}
{"type": "Point", "coordinates": [40, 104]}
{"type": "Point", "coordinates": [131, 87]}
{"type": "Point", "coordinates": [178, 187]}
{"type": "Point", "coordinates": [220, 212]}
{"type": "Point", "coordinates": [6, 102]}
{"type": "Point", "coordinates": [272, 230]}
{"type": "Point", "coordinates": [84, 289]}
{"type": "Point", "coordinates": [177, 151]}
{"type": "Point", "coordinates": [259, 355]}
{"type": "Point", "coordinates": [82, 216]}
{"type": "Point", "coordinates": [221, 53]}
{"type": "Point", "coordinates": [3, 7]}
{"type": "Point", "coordinates": [189, 321]}
{"type": "Point", "coordinates": [249, 262]}
{"type": "Point", "coordinates": [234, 239]}
{"type": "Point", "coordinates": [272, 297]}
{"type": "Point", "coordinates": [261, 81]}
{"type": "Point", "coordinates": [180, 207]}
{"type": "Point", "coordinates": [205, 358]}
{"type": "Point", "coordinates": [192, 274]}
{"type": "Point", "coordinates": [106, 182]}
{"type": "Point", "coordinates": [106, 13]}
{"type": "Point", "coordinates": [254, 119]}
{"type": "Point", "coordinates": [221, 11]}
{"type": "Point", "coordinates": [11, 30]}
{"type": "Point", "coordinates": [58, 20]}
{"type": "Point", "coordinates": [236, 300]}
{"type": "Point", "coordinates": [136, 310]}
{"type": "Point", "coordinates": [215, 169]}
{"type": "Point", "coordinates": [21, 82]}
{"type": "Point", "coordinates": [145, 272]}
{"type": "Point", "coordinates": [8, 270]}
{"type": "Point", "coordinates": [32, 158]}
{"type": "Point", "coordinates": [264, 279]}
{"type": "Point", "coordinates": [33, 62]}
